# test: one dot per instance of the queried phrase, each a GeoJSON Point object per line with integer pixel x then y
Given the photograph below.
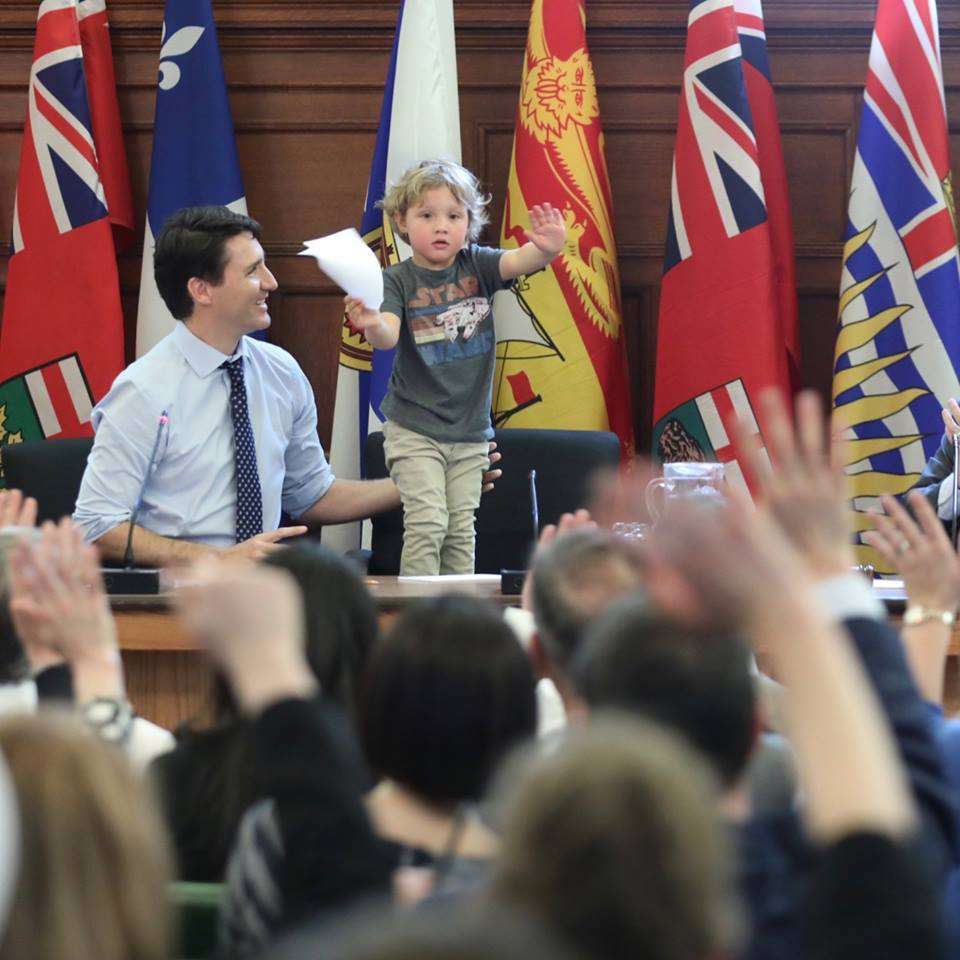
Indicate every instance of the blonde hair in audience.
{"type": "Point", "coordinates": [94, 861]}
{"type": "Point", "coordinates": [613, 841]}
{"type": "Point", "coordinates": [429, 175]}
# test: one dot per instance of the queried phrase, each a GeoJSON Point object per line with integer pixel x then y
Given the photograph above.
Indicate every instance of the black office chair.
{"type": "Point", "coordinates": [49, 470]}
{"type": "Point", "coordinates": [564, 460]}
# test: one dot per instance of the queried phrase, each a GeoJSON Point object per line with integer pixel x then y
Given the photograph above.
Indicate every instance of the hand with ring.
{"type": "Point", "coordinates": [920, 550]}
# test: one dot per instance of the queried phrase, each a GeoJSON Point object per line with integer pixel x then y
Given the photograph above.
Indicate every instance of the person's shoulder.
{"type": "Point", "coordinates": [273, 356]}
{"type": "Point", "coordinates": [148, 376]}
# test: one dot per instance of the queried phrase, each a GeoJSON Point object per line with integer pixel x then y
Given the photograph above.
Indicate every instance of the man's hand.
{"type": "Point", "coordinates": [806, 491]}
{"type": "Point", "coordinates": [491, 476]}
{"type": "Point", "coordinates": [922, 554]}
{"type": "Point", "coordinates": [547, 230]}
{"type": "Point", "coordinates": [250, 620]}
{"type": "Point", "coordinates": [61, 611]}
{"type": "Point", "coordinates": [17, 510]}
{"type": "Point", "coordinates": [951, 418]}
{"type": "Point", "coordinates": [262, 545]}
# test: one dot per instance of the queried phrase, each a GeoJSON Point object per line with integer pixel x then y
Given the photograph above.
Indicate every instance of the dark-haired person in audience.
{"type": "Point", "coordinates": [213, 383]}
{"type": "Point", "coordinates": [448, 692]}
{"type": "Point", "coordinates": [208, 782]}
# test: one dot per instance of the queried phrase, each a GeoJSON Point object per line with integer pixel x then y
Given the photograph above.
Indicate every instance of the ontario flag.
{"type": "Point", "coordinates": [561, 359]}
{"type": "Point", "coordinates": [62, 321]}
{"type": "Point", "coordinates": [719, 317]}
{"type": "Point", "coordinates": [898, 341]}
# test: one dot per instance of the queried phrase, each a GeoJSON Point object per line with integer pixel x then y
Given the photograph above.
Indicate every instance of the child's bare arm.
{"type": "Point", "coordinates": [546, 237]}
{"type": "Point", "coordinates": [382, 330]}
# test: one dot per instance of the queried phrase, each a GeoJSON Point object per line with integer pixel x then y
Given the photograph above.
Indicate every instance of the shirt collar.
{"type": "Point", "coordinates": [203, 358]}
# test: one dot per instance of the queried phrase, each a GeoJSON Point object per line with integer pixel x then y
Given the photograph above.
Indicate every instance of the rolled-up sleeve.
{"type": "Point", "coordinates": [308, 475]}
{"type": "Point", "coordinates": [125, 423]}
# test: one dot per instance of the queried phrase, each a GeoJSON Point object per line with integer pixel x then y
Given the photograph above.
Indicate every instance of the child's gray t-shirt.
{"type": "Point", "coordinates": [443, 369]}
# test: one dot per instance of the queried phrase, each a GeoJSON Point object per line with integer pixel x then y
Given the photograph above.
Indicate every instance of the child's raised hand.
{"type": "Point", "coordinates": [361, 317]}
{"type": "Point", "coordinates": [547, 230]}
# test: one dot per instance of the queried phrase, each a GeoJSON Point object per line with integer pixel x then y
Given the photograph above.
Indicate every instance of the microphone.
{"type": "Point", "coordinates": [128, 579]}
{"type": "Point", "coordinates": [511, 581]}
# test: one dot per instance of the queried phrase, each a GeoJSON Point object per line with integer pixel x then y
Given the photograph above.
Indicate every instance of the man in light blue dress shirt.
{"type": "Point", "coordinates": [211, 273]}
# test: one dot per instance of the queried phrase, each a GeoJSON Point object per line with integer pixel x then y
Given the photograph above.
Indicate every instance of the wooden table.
{"type": "Point", "coordinates": [168, 677]}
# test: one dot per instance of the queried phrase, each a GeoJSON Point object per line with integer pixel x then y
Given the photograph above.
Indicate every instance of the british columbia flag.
{"type": "Point", "coordinates": [719, 321]}
{"type": "Point", "coordinates": [898, 339]}
{"type": "Point", "coordinates": [62, 298]}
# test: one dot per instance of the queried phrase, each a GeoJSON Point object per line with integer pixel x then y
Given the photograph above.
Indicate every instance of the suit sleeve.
{"type": "Point", "coordinates": [938, 468]}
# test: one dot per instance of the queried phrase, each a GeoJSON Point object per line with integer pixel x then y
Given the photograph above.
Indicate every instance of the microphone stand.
{"type": "Point", "coordinates": [956, 458]}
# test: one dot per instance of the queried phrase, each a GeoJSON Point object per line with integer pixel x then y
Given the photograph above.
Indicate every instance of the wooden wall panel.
{"type": "Point", "coordinates": [305, 83]}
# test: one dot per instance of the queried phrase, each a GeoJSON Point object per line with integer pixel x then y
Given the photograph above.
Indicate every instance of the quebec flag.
{"type": "Point", "coordinates": [898, 341]}
{"type": "Point", "coordinates": [194, 153]}
{"type": "Point", "coordinates": [419, 120]}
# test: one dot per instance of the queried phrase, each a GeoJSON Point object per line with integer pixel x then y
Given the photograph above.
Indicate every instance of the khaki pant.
{"type": "Point", "coordinates": [439, 486]}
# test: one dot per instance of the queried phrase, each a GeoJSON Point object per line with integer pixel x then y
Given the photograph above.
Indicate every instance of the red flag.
{"type": "Point", "coordinates": [773, 172]}
{"type": "Point", "coordinates": [719, 327]}
{"type": "Point", "coordinates": [105, 116]}
{"type": "Point", "coordinates": [561, 355]}
{"type": "Point", "coordinates": [62, 301]}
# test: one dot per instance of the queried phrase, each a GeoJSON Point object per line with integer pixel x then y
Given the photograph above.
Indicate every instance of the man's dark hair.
{"type": "Point", "coordinates": [447, 694]}
{"type": "Point", "coordinates": [693, 680]}
{"type": "Point", "coordinates": [192, 243]}
{"type": "Point", "coordinates": [573, 581]}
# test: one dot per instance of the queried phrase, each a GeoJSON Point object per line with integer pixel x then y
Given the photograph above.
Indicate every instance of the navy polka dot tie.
{"type": "Point", "coordinates": [249, 497]}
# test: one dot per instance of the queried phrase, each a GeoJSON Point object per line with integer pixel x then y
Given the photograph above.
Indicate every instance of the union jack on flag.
{"type": "Point", "coordinates": [718, 111]}
{"type": "Point", "coordinates": [60, 127]}
{"type": "Point", "coordinates": [898, 342]}
{"type": "Point", "coordinates": [63, 296]}
{"type": "Point", "coordinates": [720, 320]}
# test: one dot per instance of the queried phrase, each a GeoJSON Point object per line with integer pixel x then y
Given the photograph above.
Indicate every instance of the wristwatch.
{"type": "Point", "coordinates": [916, 613]}
{"type": "Point", "coordinates": [110, 718]}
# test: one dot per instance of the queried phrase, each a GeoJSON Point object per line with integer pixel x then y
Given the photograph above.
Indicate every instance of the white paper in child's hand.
{"type": "Point", "coordinates": [349, 262]}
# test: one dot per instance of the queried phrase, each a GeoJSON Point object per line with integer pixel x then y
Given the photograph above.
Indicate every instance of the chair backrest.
{"type": "Point", "coordinates": [564, 460]}
{"type": "Point", "coordinates": [50, 470]}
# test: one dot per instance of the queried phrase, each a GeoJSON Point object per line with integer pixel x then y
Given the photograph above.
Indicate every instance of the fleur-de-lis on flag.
{"type": "Point", "coordinates": [183, 41]}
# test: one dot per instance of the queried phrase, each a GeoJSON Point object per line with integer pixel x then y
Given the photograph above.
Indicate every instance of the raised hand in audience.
{"type": "Point", "coordinates": [921, 551]}
{"type": "Point", "coordinates": [17, 510]}
{"type": "Point", "coordinates": [805, 489]}
{"type": "Point", "coordinates": [250, 620]}
{"type": "Point", "coordinates": [740, 565]}
{"type": "Point", "coordinates": [61, 612]}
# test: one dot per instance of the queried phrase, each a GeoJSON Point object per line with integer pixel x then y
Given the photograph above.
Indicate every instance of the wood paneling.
{"type": "Point", "coordinates": [305, 84]}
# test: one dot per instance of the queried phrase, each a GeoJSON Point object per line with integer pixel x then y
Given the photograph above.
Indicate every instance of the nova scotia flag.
{"type": "Point", "coordinates": [194, 152]}
{"type": "Point", "coordinates": [419, 120]}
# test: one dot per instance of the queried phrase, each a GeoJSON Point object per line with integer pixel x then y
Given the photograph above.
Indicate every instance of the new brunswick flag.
{"type": "Point", "coordinates": [561, 361]}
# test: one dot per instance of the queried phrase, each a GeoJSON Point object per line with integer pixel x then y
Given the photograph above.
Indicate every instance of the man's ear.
{"type": "Point", "coordinates": [199, 290]}
{"type": "Point", "coordinates": [538, 658]}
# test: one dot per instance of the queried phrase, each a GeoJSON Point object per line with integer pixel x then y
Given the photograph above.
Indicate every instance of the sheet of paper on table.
{"type": "Point", "coordinates": [350, 263]}
{"type": "Point", "coordinates": [454, 578]}
{"type": "Point", "coordinates": [887, 584]}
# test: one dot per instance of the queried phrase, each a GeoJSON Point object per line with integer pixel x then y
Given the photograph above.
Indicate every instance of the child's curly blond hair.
{"type": "Point", "coordinates": [438, 173]}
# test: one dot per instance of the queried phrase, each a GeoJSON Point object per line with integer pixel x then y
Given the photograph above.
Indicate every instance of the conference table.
{"type": "Point", "coordinates": [168, 677]}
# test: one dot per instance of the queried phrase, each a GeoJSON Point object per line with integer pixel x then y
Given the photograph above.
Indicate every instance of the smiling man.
{"type": "Point", "coordinates": [220, 429]}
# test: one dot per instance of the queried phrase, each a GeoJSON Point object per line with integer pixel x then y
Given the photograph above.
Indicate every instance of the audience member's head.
{"type": "Point", "coordinates": [613, 842]}
{"type": "Point", "coordinates": [341, 619]}
{"type": "Point", "coordinates": [467, 932]}
{"type": "Point", "coordinates": [94, 862]}
{"type": "Point", "coordinates": [448, 692]}
{"type": "Point", "coordinates": [692, 680]}
{"type": "Point", "coordinates": [192, 243]}
{"type": "Point", "coordinates": [574, 580]}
